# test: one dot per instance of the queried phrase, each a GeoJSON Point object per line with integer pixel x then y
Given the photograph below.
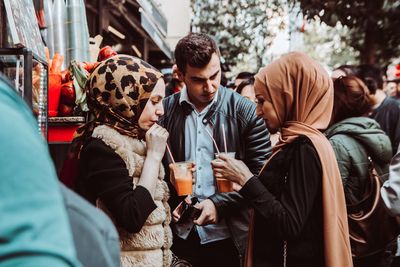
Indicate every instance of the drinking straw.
{"type": "Point", "coordinates": [170, 154]}
{"type": "Point", "coordinates": [215, 144]}
{"type": "Point", "coordinates": [223, 134]}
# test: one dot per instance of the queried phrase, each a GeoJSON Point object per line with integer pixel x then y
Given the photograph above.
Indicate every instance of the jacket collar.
{"type": "Point", "coordinates": [184, 98]}
{"type": "Point", "coordinates": [188, 107]}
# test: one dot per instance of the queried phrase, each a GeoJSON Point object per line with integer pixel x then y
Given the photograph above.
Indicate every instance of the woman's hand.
{"type": "Point", "coordinates": [231, 169]}
{"type": "Point", "coordinates": [156, 140]}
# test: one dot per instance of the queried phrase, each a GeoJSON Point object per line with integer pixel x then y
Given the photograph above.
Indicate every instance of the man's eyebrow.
{"type": "Point", "coordinates": [215, 74]}
{"type": "Point", "coordinates": [201, 78]}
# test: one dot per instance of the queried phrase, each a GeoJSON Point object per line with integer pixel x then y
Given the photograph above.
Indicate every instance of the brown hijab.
{"type": "Point", "coordinates": [301, 93]}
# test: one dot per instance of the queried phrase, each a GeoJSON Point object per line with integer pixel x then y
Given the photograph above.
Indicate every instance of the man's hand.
{"type": "Point", "coordinates": [208, 214]}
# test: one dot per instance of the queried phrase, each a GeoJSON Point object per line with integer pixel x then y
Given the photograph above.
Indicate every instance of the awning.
{"type": "Point", "coordinates": [152, 30]}
{"type": "Point", "coordinates": [155, 24]}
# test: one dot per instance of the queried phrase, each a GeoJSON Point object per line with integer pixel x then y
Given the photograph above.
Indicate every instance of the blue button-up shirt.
{"type": "Point", "coordinates": [199, 148]}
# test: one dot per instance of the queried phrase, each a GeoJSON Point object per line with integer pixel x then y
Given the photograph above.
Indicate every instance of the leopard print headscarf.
{"type": "Point", "coordinates": [117, 92]}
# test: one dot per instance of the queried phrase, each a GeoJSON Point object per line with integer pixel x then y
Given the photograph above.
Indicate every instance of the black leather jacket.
{"type": "Point", "coordinates": [247, 136]}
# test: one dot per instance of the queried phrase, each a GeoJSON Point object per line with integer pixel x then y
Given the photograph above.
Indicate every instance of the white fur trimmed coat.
{"type": "Point", "coordinates": [151, 246]}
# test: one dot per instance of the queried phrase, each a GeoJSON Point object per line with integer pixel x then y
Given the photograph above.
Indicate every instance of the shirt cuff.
{"type": "Point", "coordinates": [147, 204]}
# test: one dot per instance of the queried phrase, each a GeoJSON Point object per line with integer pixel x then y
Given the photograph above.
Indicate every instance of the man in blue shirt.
{"type": "Point", "coordinates": [219, 237]}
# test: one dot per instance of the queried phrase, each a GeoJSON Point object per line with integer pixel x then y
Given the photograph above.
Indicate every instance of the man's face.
{"type": "Point", "coordinates": [202, 83]}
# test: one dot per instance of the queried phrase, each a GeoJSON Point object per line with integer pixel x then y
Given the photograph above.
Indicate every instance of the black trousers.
{"type": "Point", "coordinates": [215, 254]}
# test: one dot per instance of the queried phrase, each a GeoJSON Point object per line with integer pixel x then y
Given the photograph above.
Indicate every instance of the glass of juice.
{"type": "Point", "coordinates": [224, 185]}
{"type": "Point", "coordinates": [182, 172]}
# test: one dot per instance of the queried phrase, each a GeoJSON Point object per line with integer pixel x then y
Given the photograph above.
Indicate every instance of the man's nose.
{"type": "Point", "coordinates": [209, 88]}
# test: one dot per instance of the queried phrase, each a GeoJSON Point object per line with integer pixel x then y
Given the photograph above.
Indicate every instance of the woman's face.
{"type": "Point", "coordinates": [266, 110]}
{"type": "Point", "coordinates": [154, 108]}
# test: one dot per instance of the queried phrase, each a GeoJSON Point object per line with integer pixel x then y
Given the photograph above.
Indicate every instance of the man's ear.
{"type": "Point", "coordinates": [180, 75]}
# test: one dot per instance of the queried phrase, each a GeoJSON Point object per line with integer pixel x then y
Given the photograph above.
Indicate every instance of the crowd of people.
{"type": "Point", "coordinates": [305, 145]}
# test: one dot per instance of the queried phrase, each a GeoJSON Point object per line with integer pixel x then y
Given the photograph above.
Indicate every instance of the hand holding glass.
{"type": "Point", "coordinates": [223, 184]}
{"type": "Point", "coordinates": [182, 177]}
{"type": "Point", "coordinates": [230, 169]}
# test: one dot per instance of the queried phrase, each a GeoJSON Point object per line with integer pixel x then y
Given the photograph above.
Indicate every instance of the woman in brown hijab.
{"type": "Point", "coordinates": [300, 213]}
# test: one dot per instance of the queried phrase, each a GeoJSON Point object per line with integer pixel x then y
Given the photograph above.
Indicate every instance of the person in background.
{"type": "Point", "coordinates": [34, 228]}
{"type": "Point", "coordinates": [386, 110]}
{"type": "Point", "coordinates": [299, 206]}
{"type": "Point", "coordinates": [355, 138]}
{"type": "Point", "coordinates": [393, 88]}
{"type": "Point", "coordinates": [219, 238]}
{"type": "Point", "coordinates": [344, 70]}
{"type": "Point", "coordinates": [242, 76]}
{"type": "Point", "coordinates": [175, 85]}
{"type": "Point", "coordinates": [390, 192]}
{"type": "Point", "coordinates": [120, 153]}
{"type": "Point", "coordinates": [246, 89]}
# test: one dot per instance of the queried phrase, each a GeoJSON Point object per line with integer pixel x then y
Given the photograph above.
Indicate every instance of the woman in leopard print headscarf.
{"type": "Point", "coordinates": [120, 154]}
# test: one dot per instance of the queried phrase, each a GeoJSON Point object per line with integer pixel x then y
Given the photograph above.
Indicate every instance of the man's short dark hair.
{"type": "Point", "coordinates": [195, 50]}
{"type": "Point", "coordinates": [245, 75]}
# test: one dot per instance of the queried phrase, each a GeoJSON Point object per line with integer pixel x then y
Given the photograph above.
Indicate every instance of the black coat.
{"type": "Point", "coordinates": [246, 135]}
{"type": "Point", "coordinates": [287, 199]}
{"type": "Point", "coordinates": [388, 117]}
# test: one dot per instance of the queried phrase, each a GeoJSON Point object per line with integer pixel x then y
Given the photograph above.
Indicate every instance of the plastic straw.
{"type": "Point", "coordinates": [215, 144]}
{"type": "Point", "coordinates": [170, 154]}
{"type": "Point", "coordinates": [223, 134]}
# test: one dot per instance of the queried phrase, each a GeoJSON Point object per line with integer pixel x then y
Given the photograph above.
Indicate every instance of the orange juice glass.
{"type": "Point", "coordinates": [183, 178]}
{"type": "Point", "coordinates": [224, 185]}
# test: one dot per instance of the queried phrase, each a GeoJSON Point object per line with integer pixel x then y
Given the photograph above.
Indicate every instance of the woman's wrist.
{"type": "Point", "coordinates": [245, 179]}
{"type": "Point", "coordinates": [154, 156]}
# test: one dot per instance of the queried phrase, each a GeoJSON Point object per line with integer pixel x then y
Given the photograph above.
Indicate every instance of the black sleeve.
{"type": "Point", "coordinates": [257, 141]}
{"type": "Point", "coordinates": [303, 185]}
{"type": "Point", "coordinates": [107, 178]}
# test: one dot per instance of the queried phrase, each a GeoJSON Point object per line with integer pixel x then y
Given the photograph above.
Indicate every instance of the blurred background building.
{"type": "Point", "coordinates": [143, 28]}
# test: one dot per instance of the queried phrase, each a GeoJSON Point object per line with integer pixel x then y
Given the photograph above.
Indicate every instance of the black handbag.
{"type": "Point", "coordinates": [371, 226]}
